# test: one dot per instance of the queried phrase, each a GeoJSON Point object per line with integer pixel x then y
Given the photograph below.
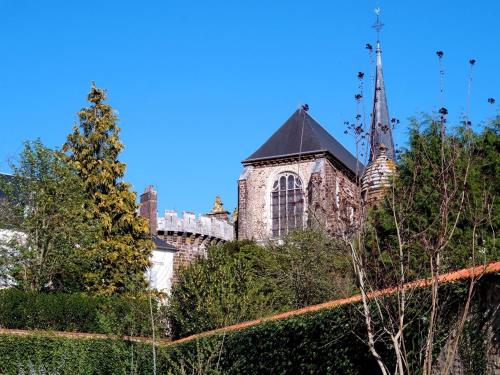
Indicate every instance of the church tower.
{"type": "Point", "coordinates": [381, 166]}
{"type": "Point", "coordinates": [300, 177]}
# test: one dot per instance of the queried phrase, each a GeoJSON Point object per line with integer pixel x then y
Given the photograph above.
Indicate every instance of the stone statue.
{"type": "Point", "coordinates": [218, 206]}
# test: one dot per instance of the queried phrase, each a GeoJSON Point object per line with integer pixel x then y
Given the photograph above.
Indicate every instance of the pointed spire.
{"type": "Point", "coordinates": [380, 132]}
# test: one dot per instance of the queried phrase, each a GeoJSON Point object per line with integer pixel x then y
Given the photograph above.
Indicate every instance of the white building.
{"type": "Point", "coordinates": [162, 266]}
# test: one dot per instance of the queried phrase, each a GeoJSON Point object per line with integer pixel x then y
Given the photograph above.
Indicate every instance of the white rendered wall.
{"type": "Point", "coordinates": [162, 270]}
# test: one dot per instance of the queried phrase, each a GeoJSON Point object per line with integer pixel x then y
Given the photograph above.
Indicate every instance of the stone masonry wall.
{"type": "Point", "coordinates": [189, 247]}
{"type": "Point", "coordinates": [254, 216]}
{"type": "Point", "coordinates": [330, 197]}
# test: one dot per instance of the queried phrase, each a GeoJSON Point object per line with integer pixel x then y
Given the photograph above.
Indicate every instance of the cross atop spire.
{"type": "Point", "coordinates": [378, 24]}
{"type": "Point", "coordinates": [380, 132]}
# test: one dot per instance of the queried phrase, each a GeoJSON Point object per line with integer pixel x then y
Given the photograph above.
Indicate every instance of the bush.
{"type": "Point", "coordinates": [239, 281]}
{"type": "Point", "coordinates": [76, 312]}
{"type": "Point", "coordinates": [330, 341]}
{"type": "Point", "coordinates": [228, 286]}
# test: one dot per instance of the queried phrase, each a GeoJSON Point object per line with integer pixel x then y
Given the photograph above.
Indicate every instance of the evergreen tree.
{"type": "Point", "coordinates": [122, 255]}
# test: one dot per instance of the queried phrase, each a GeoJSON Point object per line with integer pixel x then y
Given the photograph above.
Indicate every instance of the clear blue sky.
{"type": "Point", "coordinates": [199, 85]}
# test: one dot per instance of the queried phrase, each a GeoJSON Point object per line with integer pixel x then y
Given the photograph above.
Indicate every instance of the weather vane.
{"type": "Point", "coordinates": [378, 25]}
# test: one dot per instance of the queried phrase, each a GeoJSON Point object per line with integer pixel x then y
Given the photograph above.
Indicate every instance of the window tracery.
{"type": "Point", "coordinates": [287, 204]}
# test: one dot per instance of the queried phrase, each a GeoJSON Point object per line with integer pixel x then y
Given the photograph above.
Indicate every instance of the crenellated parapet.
{"type": "Point", "coordinates": [189, 225]}
{"type": "Point", "coordinates": [189, 235]}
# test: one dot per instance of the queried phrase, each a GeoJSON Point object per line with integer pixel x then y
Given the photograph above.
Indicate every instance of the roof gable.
{"type": "Point", "coordinates": [286, 141]}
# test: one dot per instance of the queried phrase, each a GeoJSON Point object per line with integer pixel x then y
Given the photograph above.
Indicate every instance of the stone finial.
{"type": "Point", "coordinates": [218, 206]}
{"type": "Point", "coordinates": [235, 215]}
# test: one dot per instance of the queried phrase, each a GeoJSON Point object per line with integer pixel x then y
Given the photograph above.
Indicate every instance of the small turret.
{"type": "Point", "coordinates": [377, 177]}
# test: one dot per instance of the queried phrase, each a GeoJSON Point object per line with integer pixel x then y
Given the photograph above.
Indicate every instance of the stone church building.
{"type": "Point", "coordinates": [300, 177]}
{"type": "Point", "coordinates": [303, 177]}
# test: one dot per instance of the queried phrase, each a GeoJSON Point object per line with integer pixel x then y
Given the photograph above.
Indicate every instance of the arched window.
{"type": "Point", "coordinates": [287, 204]}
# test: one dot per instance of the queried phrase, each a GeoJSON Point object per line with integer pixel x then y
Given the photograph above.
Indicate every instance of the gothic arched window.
{"type": "Point", "coordinates": [287, 204]}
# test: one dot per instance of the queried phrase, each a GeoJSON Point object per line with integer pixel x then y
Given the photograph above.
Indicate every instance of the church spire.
{"type": "Point", "coordinates": [381, 166]}
{"type": "Point", "coordinates": [380, 131]}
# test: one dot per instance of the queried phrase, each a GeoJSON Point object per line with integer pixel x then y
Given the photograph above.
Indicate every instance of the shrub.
{"type": "Point", "coordinates": [76, 312]}
{"type": "Point", "coordinates": [330, 341]}
{"type": "Point", "coordinates": [239, 281]}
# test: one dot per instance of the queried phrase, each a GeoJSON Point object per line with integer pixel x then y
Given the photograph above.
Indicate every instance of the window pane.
{"type": "Point", "coordinates": [283, 183]}
{"type": "Point", "coordinates": [282, 209]}
{"type": "Point", "coordinates": [291, 208]}
{"type": "Point", "coordinates": [287, 204]}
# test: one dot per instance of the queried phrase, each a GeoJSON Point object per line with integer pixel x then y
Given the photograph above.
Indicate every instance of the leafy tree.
{"type": "Point", "coordinates": [228, 286]}
{"type": "Point", "coordinates": [311, 268]}
{"type": "Point", "coordinates": [442, 208]}
{"type": "Point", "coordinates": [45, 228]}
{"type": "Point", "coordinates": [438, 215]}
{"type": "Point", "coordinates": [122, 254]}
{"type": "Point", "coordinates": [239, 281]}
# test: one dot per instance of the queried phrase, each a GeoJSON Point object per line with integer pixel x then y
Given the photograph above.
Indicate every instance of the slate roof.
{"type": "Point", "coordinates": [380, 130]}
{"type": "Point", "coordinates": [162, 245]}
{"type": "Point", "coordinates": [286, 142]}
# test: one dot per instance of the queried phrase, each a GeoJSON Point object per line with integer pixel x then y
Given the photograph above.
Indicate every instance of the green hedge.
{"type": "Point", "coordinates": [54, 355]}
{"type": "Point", "coordinates": [76, 312]}
{"type": "Point", "coordinates": [329, 341]}
{"type": "Point", "coordinates": [317, 343]}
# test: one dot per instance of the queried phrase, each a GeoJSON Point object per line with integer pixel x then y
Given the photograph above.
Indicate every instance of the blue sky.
{"type": "Point", "coordinates": [199, 85]}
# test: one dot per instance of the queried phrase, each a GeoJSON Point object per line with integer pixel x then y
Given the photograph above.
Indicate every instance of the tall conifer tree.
{"type": "Point", "coordinates": [122, 254]}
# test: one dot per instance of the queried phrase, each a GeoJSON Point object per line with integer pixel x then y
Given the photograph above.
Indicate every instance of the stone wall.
{"type": "Point", "coordinates": [331, 196]}
{"type": "Point", "coordinates": [191, 235]}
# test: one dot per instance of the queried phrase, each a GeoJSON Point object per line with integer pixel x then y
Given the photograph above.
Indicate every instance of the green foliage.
{"type": "Point", "coordinates": [310, 268]}
{"type": "Point", "coordinates": [239, 281]}
{"type": "Point", "coordinates": [45, 208]}
{"type": "Point", "coordinates": [73, 356]}
{"type": "Point", "coordinates": [228, 286]}
{"type": "Point", "coordinates": [330, 341]}
{"type": "Point", "coordinates": [122, 255]}
{"type": "Point", "coordinates": [118, 314]}
{"type": "Point", "coordinates": [444, 200]}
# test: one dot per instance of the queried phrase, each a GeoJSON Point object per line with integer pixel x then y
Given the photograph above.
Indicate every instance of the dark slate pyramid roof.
{"type": "Point", "coordinates": [162, 245]}
{"type": "Point", "coordinates": [286, 142]}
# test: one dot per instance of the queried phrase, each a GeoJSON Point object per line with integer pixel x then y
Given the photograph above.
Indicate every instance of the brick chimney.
{"type": "Point", "coordinates": [148, 208]}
